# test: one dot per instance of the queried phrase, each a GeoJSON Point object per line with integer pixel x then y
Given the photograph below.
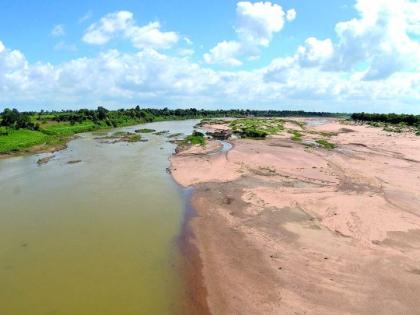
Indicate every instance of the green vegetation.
{"type": "Point", "coordinates": [161, 133]}
{"type": "Point", "coordinates": [11, 118]}
{"type": "Point", "coordinates": [16, 140]}
{"type": "Point", "coordinates": [175, 135]}
{"type": "Point", "coordinates": [123, 136]}
{"type": "Point", "coordinates": [119, 134]}
{"type": "Point", "coordinates": [195, 138]}
{"type": "Point", "coordinates": [409, 120]}
{"type": "Point", "coordinates": [145, 130]}
{"type": "Point", "coordinates": [325, 144]}
{"type": "Point", "coordinates": [390, 128]}
{"type": "Point", "coordinates": [296, 135]}
{"type": "Point", "coordinates": [68, 129]}
{"type": "Point", "coordinates": [390, 122]}
{"type": "Point", "coordinates": [256, 127]}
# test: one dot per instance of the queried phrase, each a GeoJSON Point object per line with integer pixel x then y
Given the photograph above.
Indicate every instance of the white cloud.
{"type": "Point", "coordinates": [188, 40]}
{"type": "Point", "coordinates": [380, 39]}
{"type": "Point", "coordinates": [148, 76]}
{"type": "Point", "coordinates": [315, 52]}
{"type": "Point", "coordinates": [224, 53]}
{"type": "Point", "coordinates": [109, 26]}
{"type": "Point", "coordinates": [256, 24]}
{"type": "Point", "coordinates": [58, 31]}
{"type": "Point", "coordinates": [123, 24]}
{"type": "Point", "coordinates": [291, 15]}
{"type": "Point", "coordinates": [86, 17]}
{"type": "Point", "coordinates": [185, 52]}
{"type": "Point", "coordinates": [63, 46]}
{"type": "Point", "coordinates": [150, 36]}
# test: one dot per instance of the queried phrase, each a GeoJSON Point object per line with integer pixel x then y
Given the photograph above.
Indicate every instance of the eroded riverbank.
{"type": "Point", "coordinates": [285, 226]}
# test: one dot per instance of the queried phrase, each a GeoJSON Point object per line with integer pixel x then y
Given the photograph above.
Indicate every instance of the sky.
{"type": "Point", "coordinates": [330, 55]}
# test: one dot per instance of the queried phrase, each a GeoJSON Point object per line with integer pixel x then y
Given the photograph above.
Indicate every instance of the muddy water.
{"type": "Point", "coordinates": [94, 237]}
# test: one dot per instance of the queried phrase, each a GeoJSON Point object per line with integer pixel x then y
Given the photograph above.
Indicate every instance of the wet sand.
{"type": "Point", "coordinates": [283, 227]}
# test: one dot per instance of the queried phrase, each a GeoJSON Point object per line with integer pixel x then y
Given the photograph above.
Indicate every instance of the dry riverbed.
{"type": "Point", "coordinates": [304, 227]}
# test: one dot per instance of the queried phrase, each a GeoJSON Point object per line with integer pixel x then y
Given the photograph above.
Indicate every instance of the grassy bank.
{"type": "Point", "coordinates": [49, 135]}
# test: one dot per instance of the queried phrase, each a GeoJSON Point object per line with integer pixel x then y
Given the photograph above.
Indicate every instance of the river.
{"type": "Point", "coordinates": [94, 237]}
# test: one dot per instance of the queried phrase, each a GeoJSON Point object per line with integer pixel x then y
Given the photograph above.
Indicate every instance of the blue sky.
{"type": "Point", "coordinates": [315, 55]}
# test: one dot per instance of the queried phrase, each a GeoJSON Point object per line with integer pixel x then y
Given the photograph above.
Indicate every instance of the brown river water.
{"type": "Point", "coordinates": [94, 237]}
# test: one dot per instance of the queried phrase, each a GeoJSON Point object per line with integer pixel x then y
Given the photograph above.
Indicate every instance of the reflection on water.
{"type": "Point", "coordinates": [95, 237]}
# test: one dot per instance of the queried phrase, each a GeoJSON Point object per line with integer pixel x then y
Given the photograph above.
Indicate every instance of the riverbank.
{"type": "Point", "coordinates": [319, 218]}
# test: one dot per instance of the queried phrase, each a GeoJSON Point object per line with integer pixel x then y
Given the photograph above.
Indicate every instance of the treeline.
{"type": "Point", "coordinates": [409, 120]}
{"type": "Point", "coordinates": [12, 118]}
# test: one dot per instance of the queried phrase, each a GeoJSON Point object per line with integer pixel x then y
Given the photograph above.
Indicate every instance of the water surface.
{"type": "Point", "coordinates": [95, 237]}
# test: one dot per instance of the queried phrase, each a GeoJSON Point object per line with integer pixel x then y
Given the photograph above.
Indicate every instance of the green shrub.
{"type": "Point", "coordinates": [196, 138]}
{"type": "Point", "coordinates": [325, 144]}
{"type": "Point", "coordinates": [145, 130]}
{"type": "Point", "coordinates": [296, 135]}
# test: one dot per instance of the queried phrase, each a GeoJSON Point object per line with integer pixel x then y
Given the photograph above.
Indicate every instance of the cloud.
{"type": "Point", "coordinates": [58, 31]}
{"type": "Point", "coordinates": [109, 26]}
{"type": "Point", "coordinates": [291, 15]}
{"type": "Point", "coordinates": [122, 24]}
{"type": "Point", "coordinates": [63, 46]}
{"type": "Point", "coordinates": [224, 53]}
{"type": "Point", "coordinates": [148, 76]}
{"type": "Point", "coordinates": [380, 39]}
{"type": "Point", "coordinates": [315, 52]}
{"type": "Point", "coordinates": [257, 22]}
{"type": "Point", "coordinates": [86, 17]}
{"type": "Point", "coordinates": [255, 27]}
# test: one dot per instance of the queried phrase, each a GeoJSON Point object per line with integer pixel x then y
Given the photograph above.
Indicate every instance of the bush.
{"type": "Point", "coordinates": [325, 144]}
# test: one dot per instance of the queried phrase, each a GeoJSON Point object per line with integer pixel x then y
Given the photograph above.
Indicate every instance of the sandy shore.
{"type": "Point", "coordinates": [287, 228]}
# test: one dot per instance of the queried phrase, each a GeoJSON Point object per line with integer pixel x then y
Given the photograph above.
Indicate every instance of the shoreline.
{"type": "Point", "coordinates": [286, 228]}
{"type": "Point", "coordinates": [191, 264]}
{"type": "Point", "coordinates": [37, 149]}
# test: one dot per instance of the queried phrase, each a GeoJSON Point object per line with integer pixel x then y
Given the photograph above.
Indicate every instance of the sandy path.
{"type": "Point", "coordinates": [287, 229]}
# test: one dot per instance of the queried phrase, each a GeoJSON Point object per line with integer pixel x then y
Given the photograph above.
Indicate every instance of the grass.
{"type": "Point", "coordinates": [67, 129]}
{"type": "Point", "coordinates": [50, 133]}
{"type": "Point", "coordinates": [119, 134]}
{"type": "Point", "coordinates": [175, 135]}
{"type": "Point", "coordinates": [161, 133]}
{"type": "Point", "coordinates": [325, 144]}
{"type": "Point", "coordinates": [145, 130]}
{"type": "Point", "coordinates": [131, 138]}
{"type": "Point", "coordinates": [257, 127]}
{"type": "Point", "coordinates": [296, 135]}
{"type": "Point", "coordinates": [123, 136]}
{"type": "Point", "coordinates": [212, 121]}
{"type": "Point", "coordinates": [17, 140]}
{"type": "Point", "coordinates": [195, 138]}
